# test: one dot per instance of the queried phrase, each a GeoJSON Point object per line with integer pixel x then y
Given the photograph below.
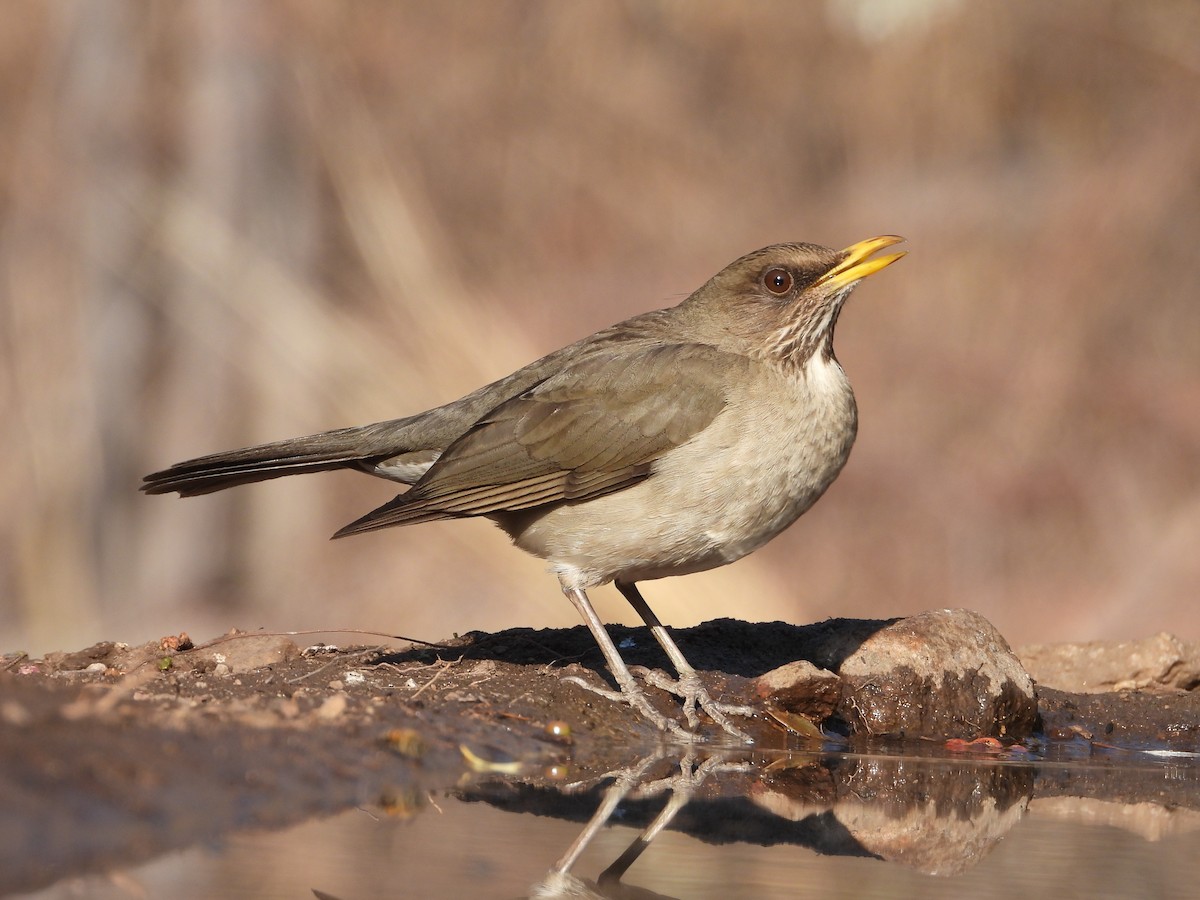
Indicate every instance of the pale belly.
{"type": "Point", "coordinates": [711, 501]}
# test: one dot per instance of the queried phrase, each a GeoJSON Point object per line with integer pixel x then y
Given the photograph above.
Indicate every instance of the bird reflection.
{"type": "Point", "coordinates": [628, 784]}
{"type": "Point", "coordinates": [938, 816]}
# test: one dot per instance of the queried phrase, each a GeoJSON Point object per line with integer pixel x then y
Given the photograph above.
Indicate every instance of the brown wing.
{"type": "Point", "coordinates": [595, 427]}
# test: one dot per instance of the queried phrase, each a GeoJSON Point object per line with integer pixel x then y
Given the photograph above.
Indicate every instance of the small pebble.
{"type": "Point", "coordinates": [287, 707]}
{"type": "Point", "coordinates": [317, 649]}
{"type": "Point", "coordinates": [14, 713]}
{"type": "Point", "coordinates": [406, 742]}
{"type": "Point", "coordinates": [333, 707]}
{"type": "Point", "coordinates": [336, 685]}
{"type": "Point", "coordinates": [221, 669]}
{"type": "Point", "coordinates": [96, 667]}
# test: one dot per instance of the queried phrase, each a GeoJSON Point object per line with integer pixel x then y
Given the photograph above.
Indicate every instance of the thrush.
{"type": "Point", "coordinates": [675, 441]}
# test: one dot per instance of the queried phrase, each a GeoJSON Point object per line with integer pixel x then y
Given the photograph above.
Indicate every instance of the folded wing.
{"type": "Point", "coordinates": [595, 427]}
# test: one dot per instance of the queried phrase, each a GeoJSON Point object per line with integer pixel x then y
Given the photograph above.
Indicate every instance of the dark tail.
{"type": "Point", "coordinates": [358, 447]}
{"type": "Point", "coordinates": [398, 449]}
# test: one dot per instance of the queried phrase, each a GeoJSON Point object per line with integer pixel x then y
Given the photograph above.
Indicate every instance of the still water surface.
{"type": "Point", "coordinates": [801, 825]}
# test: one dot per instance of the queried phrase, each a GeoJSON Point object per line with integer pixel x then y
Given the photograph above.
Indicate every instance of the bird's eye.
{"type": "Point", "coordinates": [778, 281]}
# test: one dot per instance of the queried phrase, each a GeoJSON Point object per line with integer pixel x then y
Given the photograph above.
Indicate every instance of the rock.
{"type": "Point", "coordinates": [104, 652]}
{"type": "Point", "coordinates": [940, 674]}
{"type": "Point", "coordinates": [13, 713]}
{"type": "Point", "coordinates": [333, 707]}
{"type": "Point", "coordinates": [944, 674]}
{"type": "Point", "coordinates": [245, 653]}
{"type": "Point", "coordinates": [1161, 661]}
{"type": "Point", "coordinates": [800, 687]}
{"type": "Point", "coordinates": [286, 707]}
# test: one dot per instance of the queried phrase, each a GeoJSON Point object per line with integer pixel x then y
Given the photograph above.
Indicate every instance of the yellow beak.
{"type": "Point", "coordinates": [858, 265]}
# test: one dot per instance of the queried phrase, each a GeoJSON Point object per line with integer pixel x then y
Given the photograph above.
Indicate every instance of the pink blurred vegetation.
{"type": "Point", "coordinates": [224, 223]}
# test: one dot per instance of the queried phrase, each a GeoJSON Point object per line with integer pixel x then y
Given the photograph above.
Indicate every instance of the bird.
{"type": "Point", "coordinates": [673, 442]}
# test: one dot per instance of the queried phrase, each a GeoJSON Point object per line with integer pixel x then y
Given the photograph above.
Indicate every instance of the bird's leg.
{"type": "Point", "coordinates": [630, 694]}
{"type": "Point", "coordinates": [688, 685]}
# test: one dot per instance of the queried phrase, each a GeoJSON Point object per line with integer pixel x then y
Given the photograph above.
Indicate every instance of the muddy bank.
{"type": "Point", "coordinates": [116, 754]}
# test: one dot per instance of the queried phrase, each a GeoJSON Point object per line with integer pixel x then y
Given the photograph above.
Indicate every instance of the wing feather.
{"type": "Point", "coordinates": [596, 427]}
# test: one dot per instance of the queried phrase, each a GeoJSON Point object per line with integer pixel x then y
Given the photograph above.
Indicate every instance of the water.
{"type": "Point", "coordinates": [827, 825]}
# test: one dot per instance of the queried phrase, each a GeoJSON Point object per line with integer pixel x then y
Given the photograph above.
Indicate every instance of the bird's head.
{"type": "Point", "coordinates": [782, 302]}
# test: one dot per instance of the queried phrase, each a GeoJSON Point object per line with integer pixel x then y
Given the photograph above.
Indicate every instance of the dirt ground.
{"type": "Point", "coordinates": [117, 754]}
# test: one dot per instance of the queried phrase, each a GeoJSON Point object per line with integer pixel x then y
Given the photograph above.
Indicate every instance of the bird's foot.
{"type": "Point", "coordinates": [631, 695]}
{"type": "Point", "coordinates": [693, 693]}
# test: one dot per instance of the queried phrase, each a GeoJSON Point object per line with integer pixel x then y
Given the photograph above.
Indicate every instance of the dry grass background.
{"type": "Point", "coordinates": [225, 222]}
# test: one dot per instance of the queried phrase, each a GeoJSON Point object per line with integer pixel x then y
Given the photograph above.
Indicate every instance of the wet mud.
{"type": "Point", "coordinates": [114, 754]}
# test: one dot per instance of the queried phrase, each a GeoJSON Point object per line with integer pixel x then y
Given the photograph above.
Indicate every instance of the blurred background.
{"type": "Point", "coordinates": [223, 223]}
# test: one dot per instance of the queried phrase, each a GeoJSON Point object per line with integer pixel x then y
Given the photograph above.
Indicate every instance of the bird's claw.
{"type": "Point", "coordinates": [634, 698]}
{"type": "Point", "coordinates": [687, 687]}
{"type": "Point", "coordinates": [693, 693]}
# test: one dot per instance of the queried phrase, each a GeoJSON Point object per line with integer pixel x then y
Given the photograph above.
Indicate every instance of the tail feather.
{"type": "Point", "coordinates": [219, 476]}
{"type": "Point", "coordinates": [346, 447]}
{"type": "Point", "coordinates": [398, 449]}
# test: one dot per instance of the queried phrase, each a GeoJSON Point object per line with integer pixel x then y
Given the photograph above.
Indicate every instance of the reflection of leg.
{"type": "Point", "coordinates": [688, 685]}
{"type": "Point", "coordinates": [681, 786]}
{"type": "Point", "coordinates": [616, 871]}
{"type": "Point", "coordinates": [630, 694]}
{"type": "Point", "coordinates": [626, 781]}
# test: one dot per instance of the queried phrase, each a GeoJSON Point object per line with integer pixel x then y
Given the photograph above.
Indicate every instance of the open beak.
{"type": "Point", "coordinates": [858, 265]}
